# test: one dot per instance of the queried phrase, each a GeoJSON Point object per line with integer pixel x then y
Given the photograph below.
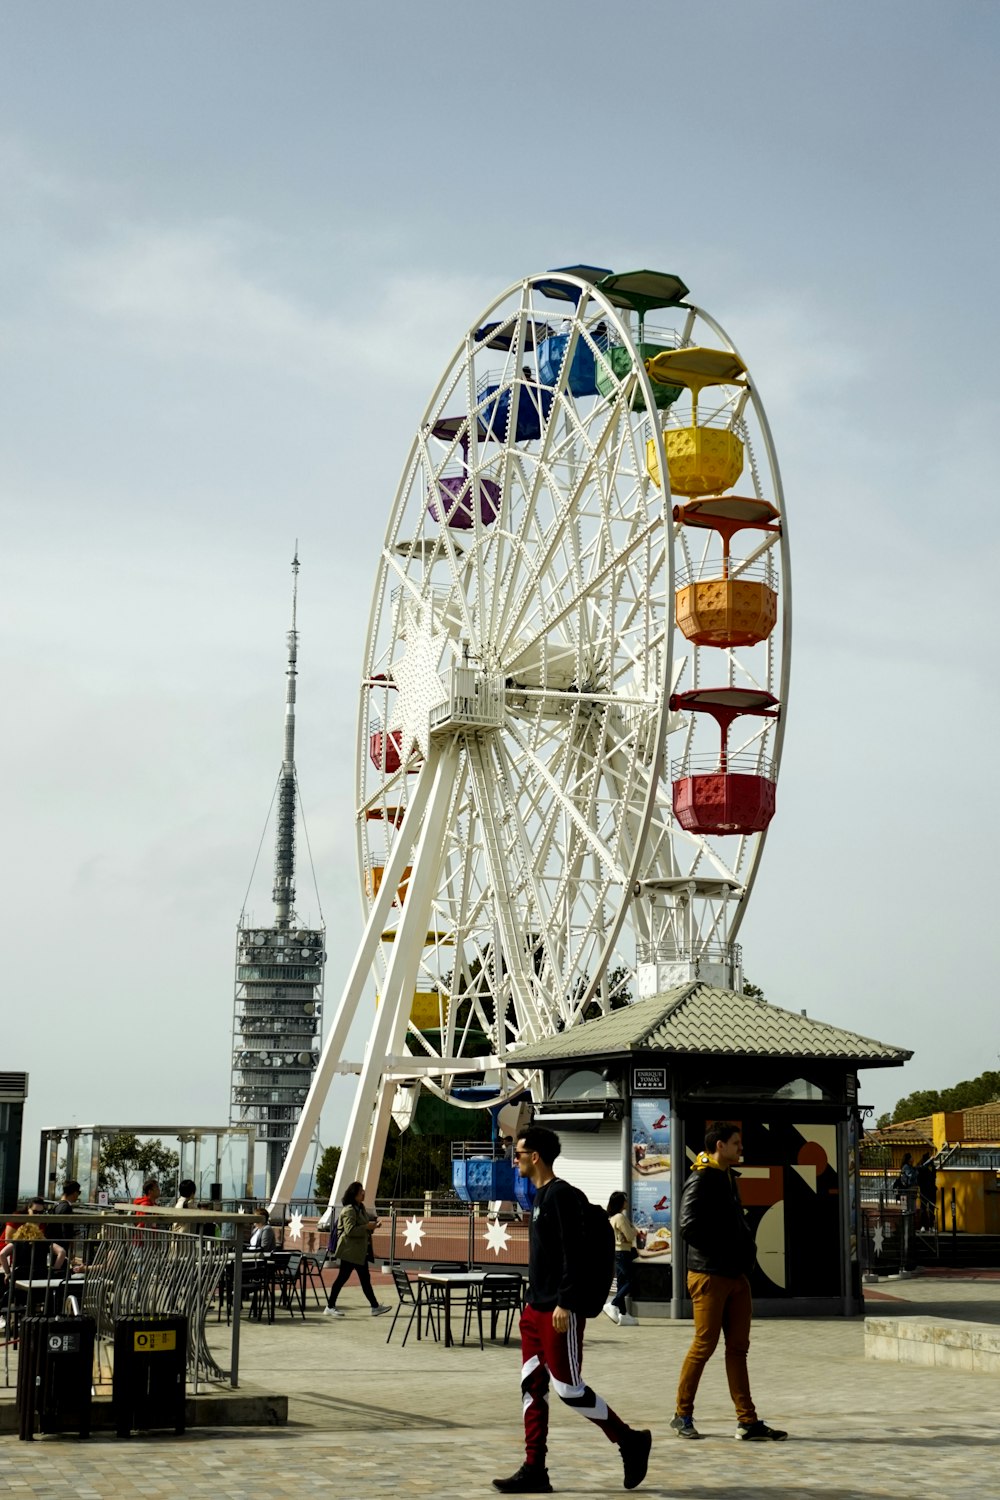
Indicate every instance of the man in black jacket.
{"type": "Point", "coordinates": [552, 1324]}
{"type": "Point", "coordinates": [720, 1255]}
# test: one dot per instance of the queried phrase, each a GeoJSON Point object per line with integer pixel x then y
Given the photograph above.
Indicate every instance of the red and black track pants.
{"type": "Point", "coordinates": [547, 1355]}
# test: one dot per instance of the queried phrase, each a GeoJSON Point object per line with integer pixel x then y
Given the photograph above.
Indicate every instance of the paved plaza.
{"type": "Point", "coordinates": [367, 1418]}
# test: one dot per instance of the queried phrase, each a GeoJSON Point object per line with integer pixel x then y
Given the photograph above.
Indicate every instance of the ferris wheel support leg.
{"type": "Point", "coordinates": [401, 974]}
{"type": "Point", "coordinates": [484, 785]}
{"type": "Point", "coordinates": [333, 1047]}
{"type": "Point", "coordinates": [370, 1166]}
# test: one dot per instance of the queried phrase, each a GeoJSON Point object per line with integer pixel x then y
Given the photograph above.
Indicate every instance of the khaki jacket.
{"type": "Point", "coordinates": [352, 1235]}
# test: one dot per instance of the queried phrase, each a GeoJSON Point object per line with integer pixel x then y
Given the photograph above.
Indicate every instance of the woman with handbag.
{"type": "Point", "coordinates": [354, 1232]}
{"type": "Point", "coordinates": [626, 1241]}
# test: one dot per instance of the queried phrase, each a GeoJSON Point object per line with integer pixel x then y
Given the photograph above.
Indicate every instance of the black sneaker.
{"type": "Point", "coordinates": [684, 1427]}
{"type": "Point", "coordinates": [634, 1448]}
{"type": "Point", "coordinates": [529, 1480]}
{"type": "Point", "coordinates": [759, 1432]}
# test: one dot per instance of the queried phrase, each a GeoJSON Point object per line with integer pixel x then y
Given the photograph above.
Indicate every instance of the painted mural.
{"type": "Point", "coordinates": [790, 1188]}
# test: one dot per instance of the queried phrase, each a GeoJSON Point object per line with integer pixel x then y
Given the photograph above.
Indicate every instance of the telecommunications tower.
{"type": "Point", "coordinates": [278, 1004]}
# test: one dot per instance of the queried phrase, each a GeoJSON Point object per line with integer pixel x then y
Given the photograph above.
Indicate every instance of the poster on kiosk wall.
{"type": "Point", "coordinates": [651, 1176]}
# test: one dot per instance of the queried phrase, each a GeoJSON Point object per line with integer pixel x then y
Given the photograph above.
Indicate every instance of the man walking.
{"type": "Point", "coordinates": [720, 1254]}
{"type": "Point", "coordinates": [552, 1324]}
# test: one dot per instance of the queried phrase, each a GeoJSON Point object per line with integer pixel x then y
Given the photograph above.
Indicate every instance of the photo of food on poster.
{"type": "Point", "coordinates": [651, 1176]}
{"type": "Point", "coordinates": [650, 1138]}
{"type": "Point", "coordinates": [651, 1216]}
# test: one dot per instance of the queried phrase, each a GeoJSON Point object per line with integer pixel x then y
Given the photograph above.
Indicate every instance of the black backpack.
{"type": "Point", "coordinates": [598, 1259]}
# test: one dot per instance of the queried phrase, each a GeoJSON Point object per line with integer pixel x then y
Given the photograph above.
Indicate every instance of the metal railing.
{"type": "Point", "coordinates": [495, 380]}
{"type": "Point", "coordinates": [740, 762]}
{"type": "Point", "coordinates": [115, 1264]}
{"type": "Point", "coordinates": [418, 1234]}
{"type": "Point", "coordinates": [712, 949]}
{"type": "Point", "coordinates": [415, 1232]}
{"type": "Point", "coordinates": [893, 1230]}
{"type": "Point", "coordinates": [721, 417]}
{"type": "Point", "coordinates": [761, 571]}
{"type": "Point", "coordinates": [664, 338]}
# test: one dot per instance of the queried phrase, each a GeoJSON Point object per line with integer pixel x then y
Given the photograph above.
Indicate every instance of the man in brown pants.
{"type": "Point", "coordinates": [720, 1254]}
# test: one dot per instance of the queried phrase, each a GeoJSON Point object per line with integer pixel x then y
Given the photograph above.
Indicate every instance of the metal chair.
{"type": "Point", "coordinates": [407, 1297]}
{"type": "Point", "coordinates": [258, 1288]}
{"type": "Point", "coordinates": [459, 1298]}
{"type": "Point", "coordinates": [287, 1282]}
{"type": "Point", "coordinates": [499, 1295]}
{"type": "Point", "coordinates": [311, 1274]}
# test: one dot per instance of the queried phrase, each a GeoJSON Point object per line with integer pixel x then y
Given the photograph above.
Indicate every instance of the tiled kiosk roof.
{"type": "Point", "coordinates": [698, 1019]}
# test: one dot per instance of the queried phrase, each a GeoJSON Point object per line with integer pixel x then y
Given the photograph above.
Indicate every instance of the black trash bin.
{"type": "Point", "coordinates": [55, 1373]}
{"type": "Point", "coordinates": [150, 1365]}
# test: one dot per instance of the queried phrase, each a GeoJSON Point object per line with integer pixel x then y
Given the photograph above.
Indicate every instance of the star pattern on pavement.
{"type": "Point", "coordinates": [295, 1226]}
{"type": "Point", "coordinates": [413, 1234]}
{"type": "Point", "coordinates": [496, 1237]}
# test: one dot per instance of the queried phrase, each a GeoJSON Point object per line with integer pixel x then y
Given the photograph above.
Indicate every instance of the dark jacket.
{"type": "Point", "coordinates": [555, 1247]}
{"type": "Point", "coordinates": [712, 1223]}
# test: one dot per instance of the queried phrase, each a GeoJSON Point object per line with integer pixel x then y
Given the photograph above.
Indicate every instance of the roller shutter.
{"type": "Point", "coordinates": [592, 1160]}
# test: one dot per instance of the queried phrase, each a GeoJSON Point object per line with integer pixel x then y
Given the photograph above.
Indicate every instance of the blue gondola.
{"type": "Point", "coordinates": [582, 378]}
{"type": "Point", "coordinates": [477, 1179]}
{"type": "Point", "coordinates": [533, 407]}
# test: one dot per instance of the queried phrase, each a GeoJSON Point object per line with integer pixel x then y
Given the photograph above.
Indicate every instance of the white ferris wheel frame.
{"type": "Point", "coordinates": [396, 1048]}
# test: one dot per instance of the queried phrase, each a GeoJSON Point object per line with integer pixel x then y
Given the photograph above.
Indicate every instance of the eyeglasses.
{"type": "Point", "coordinates": [524, 1153]}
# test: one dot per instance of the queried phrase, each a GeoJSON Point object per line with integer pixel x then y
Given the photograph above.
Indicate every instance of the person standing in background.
{"type": "Point", "coordinates": [185, 1199]}
{"type": "Point", "coordinates": [626, 1247]}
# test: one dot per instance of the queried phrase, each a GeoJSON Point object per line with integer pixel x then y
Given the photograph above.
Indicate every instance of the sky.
{"type": "Point", "coordinates": [238, 244]}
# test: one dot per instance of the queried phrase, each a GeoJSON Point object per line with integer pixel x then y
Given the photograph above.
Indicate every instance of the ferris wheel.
{"type": "Point", "coordinates": [569, 714]}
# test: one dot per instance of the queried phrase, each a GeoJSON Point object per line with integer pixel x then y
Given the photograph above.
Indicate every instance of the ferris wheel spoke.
{"type": "Point", "coordinates": [588, 834]}
{"type": "Point", "coordinates": [485, 792]}
{"type": "Point", "coordinates": [550, 538]}
{"type": "Point", "coordinates": [521, 811]}
{"type": "Point", "coordinates": [580, 596]}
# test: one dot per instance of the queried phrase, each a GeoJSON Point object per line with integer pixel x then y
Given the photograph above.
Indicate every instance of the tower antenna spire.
{"type": "Point", "coordinates": [284, 838]}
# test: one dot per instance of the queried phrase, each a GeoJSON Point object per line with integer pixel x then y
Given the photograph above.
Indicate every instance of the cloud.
{"type": "Point", "coordinates": [209, 292]}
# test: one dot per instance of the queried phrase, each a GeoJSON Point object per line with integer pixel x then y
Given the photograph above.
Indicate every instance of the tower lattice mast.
{"type": "Point", "coordinates": [278, 1001]}
{"type": "Point", "coordinates": [284, 839]}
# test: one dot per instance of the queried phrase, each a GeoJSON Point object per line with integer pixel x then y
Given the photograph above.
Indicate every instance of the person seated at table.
{"type": "Point", "coordinates": [33, 1206]}
{"type": "Point", "coordinates": [28, 1255]}
{"type": "Point", "coordinates": [354, 1232]}
{"type": "Point", "coordinates": [263, 1236]}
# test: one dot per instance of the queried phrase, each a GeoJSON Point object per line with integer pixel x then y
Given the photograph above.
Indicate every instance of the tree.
{"type": "Point", "coordinates": [124, 1156]}
{"type": "Point", "coordinates": [964, 1095]}
{"type": "Point", "coordinates": [619, 993]}
{"type": "Point", "coordinates": [753, 990]}
{"type": "Point", "coordinates": [414, 1164]}
{"type": "Point", "coordinates": [326, 1171]}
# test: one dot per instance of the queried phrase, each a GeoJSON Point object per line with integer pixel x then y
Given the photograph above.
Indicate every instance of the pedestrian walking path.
{"type": "Point", "coordinates": [370, 1418]}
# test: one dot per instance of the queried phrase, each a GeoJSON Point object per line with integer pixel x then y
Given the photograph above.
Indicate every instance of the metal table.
{"type": "Point", "coordinates": [449, 1280]}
